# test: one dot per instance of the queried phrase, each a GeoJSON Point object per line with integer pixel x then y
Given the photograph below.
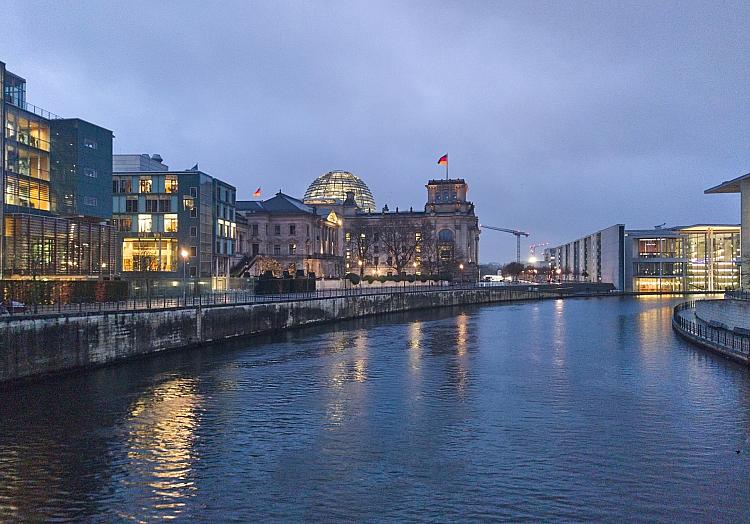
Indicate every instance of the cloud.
{"type": "Point", "coordinates": [564, 117]}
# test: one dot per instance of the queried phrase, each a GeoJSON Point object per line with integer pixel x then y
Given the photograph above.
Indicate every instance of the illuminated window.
{"type": "Point", "coordinates": [89, 172]}
{"type": "Point", "coordinates": [170, 184]}
{"type": "Point", "coordinates": [188, 203]}
{"type": "Point", "coordinates": [170, 223]}
{"type": "Point", "coordinates": [144, 184]}
{"type": "Point", "coordinates": [292, 249]}
{"type": "Point", "coordinates": [146, 254]}
{"type": "Point", "coordinates": [145, 223]}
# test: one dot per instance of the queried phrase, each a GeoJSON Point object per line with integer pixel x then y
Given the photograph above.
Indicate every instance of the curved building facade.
{"type": "Point", "coordinates": [333, 187]}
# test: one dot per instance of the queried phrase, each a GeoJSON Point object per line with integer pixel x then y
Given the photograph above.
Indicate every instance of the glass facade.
{"type": "Point", "coordinates": [37, 245]}
{"type": "Point", "coordinates": [334, 186]}
{"type": "Point", "coordinates": [149, 254]}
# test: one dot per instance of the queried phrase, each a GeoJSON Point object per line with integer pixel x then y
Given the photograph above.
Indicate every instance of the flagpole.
{"type": "Point", "coordinates": [446, 169]}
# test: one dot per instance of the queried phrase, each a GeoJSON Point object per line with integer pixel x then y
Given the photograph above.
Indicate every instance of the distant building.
{"type": "Point", "coordinates": [332, 233]}
{"type": "Point", "coordinates": [159, 213]}
{"type": "Point", "coordinates": [285, 234]}
{"type": "Point", "coordinates": [701, 257]}
{"type": "Point", "coordinates": [55, 187]}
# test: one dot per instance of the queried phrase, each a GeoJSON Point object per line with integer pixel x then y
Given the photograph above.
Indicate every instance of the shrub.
{"type": "Point", "coordinates": [383, 279]}
{"type": "Point", "coordinates": [411, 278]}
{"type": "Point", "coordinates": [353, 278]}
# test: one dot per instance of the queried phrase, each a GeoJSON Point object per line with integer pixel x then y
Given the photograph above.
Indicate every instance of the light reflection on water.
{"type": "Point", "coordinates": [559, 410]}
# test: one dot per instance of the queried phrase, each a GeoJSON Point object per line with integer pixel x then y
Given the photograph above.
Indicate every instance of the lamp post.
{"type": "Point", "coordinates": [184, 254]}
{"type": "Point", "coordinates": [461, 268]}
{"type": "Point", "coordinates": [359, 263]}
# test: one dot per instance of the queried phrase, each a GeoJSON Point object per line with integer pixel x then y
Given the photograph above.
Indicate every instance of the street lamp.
{"type": "Point", "coordinates": [461, 268]}
{"type": "Point", "coordinates": [184, 254]}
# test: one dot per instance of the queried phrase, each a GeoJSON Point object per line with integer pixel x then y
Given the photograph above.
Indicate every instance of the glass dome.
{"type": "Point", "coordinates": [334, 186]}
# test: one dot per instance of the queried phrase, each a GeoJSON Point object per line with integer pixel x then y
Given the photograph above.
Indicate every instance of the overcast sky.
{"type": "Point", "coordinates": [564, 118]}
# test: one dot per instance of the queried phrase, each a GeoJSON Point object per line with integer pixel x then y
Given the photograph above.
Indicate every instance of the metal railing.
{"type": "Point", "coordinates": [738, 295]}
{"type": "Point", "coordinates": [724, 338]}
{"type": "Point", "coordinates": [31, 108]}
{"type": "Point", "coordinates": [499, 293]}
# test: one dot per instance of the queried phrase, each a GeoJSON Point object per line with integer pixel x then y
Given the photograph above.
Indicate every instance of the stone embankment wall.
{"type": "Point", "coordinates": [34, 346]}
{"type": "Point", "coordinates": [728, 313]}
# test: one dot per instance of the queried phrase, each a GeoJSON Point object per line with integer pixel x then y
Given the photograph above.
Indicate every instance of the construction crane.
{"type": "Point", "coordinates": [515, 232]}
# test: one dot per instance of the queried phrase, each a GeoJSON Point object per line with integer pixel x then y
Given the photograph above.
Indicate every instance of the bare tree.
{"type": "Point", "coordinates": [401, 236]}
{"type": "Point", "coordinates": [361, 242]}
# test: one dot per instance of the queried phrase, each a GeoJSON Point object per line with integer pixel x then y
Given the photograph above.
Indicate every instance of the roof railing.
{"type": "Point", "coordinates": [31, 108]}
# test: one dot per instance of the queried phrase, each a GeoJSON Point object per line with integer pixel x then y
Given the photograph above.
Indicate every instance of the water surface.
{"type": "Point", "coordinates": [584, 409]}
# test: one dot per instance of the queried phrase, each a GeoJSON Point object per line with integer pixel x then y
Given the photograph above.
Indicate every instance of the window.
{"type": "Point", "coordinates": [170, 184]}
{"type": "Point", "coordinates": [90, 143]}
{"type": "Point", "coordinates": [194, 192]}
{"type": "Point", "coordinates": [347, 237]}
{"type": "Point", "coordinates": [276, 249]}
{"type": "Point", "coordinates": [144, 185]}
{"type": "Point", "coordinates": [254, 229]}
{"type": "Point", "coordinates": [292, 229]}
{"type": "Point", "coordinates": [145, 223]}
{"type": "Point", "coordinates": [256, 249]}
{"type": "Point", "coordinates": [165, 205]}
{"type": "Point", "coordinates": [376, 260]}
{"type": "Point", "coordinates": [376, 248]}
{"type": "Point", "coordinates": [292, 249]}
{"type": "Point", "coordinates": [277, 229]}
{"type": "Point", "coordinates": [193, 231]}
{"type": "Point", "coordinates": [121, 185]}
{"type": "Point", "coordinates": [193, 271]}
{"type": "Point", "coordinates": [131, 205]}
{"type": "Point", "coordinates": [146, 254]}
{"type": "Point", "coordinates": [152, 205]}
{"type": "Point", "coordinates": [188, 203]}
{"type": "Point", "coordinates": [170, 223]}
{"type": "Point", "coordinates": [89, 172]}
{"type": "Point", "coordinates": [194, 213]}
{"type": "Point", "coordinates": [125, 224]}
{"type": "Point", "coordinates": [90, 201]}
{"type": "Point", "coordinates": [376, 236]}
{"type": "Point", "coordinates": [389, 261]}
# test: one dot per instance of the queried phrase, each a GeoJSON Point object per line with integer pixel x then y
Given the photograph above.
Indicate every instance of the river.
{"type": "Point", "coordinates": [577, 409]}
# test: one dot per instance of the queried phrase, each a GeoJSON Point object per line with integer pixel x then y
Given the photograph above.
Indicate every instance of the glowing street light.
{"type": "Point", "coordinates": [184, 254]}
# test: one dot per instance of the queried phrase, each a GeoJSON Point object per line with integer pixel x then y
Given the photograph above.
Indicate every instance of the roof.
{"type": "Point", "coordinates": [447, 181]}
{"type": "Point", "coordinates": [728, 186]}
{"type": "Point", "coordinates": [280, 203]}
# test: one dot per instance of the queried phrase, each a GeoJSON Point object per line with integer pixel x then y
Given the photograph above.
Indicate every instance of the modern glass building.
{"type": "Point", "coordinates": [159, 213]}
{"type": "Point", "coordinates": [700, 257]}
{"type": "Point", "coordinates": [56, 190]}
{"type": "Point", "coordinates": [332, 188]}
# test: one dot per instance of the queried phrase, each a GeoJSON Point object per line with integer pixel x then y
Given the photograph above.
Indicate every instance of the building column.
{"type": "Point", "coordinates": [745, 234]}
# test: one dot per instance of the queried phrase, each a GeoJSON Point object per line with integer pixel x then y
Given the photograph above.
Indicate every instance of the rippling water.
{"type": "Point", "coordinates": [560, 410]}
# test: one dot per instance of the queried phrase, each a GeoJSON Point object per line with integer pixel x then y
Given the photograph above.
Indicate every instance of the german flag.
{"type": "Point", "coordinates": [443, 160]}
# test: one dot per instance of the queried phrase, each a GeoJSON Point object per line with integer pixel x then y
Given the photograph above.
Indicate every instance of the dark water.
{"type": "Point", "coordinates": [575, 410]}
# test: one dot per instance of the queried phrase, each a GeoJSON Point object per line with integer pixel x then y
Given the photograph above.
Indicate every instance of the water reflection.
{"type": "Point", "coordinates": [160, 431]}
{"type": "Point", "coordinates": [351, 369]}
{"type": "Point", "coordinates": [512, 412]}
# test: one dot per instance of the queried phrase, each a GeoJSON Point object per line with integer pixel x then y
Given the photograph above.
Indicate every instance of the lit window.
{"type": "Point", "coordinates": [170, 184]}
{"type": "Point", "coordinates": [292, 249]}
{"type": "Point", "coordinates": [144, 185]}
{"type": "Point", "coordinates": [188, 203]}
{"type": "Point", "coordinates": [90, 143]}
{"type": "Point", "coordinates": [145, 223]}
{"type": "Point", "coordinates": [170, 223]}
{"type": "Point", "coordinates": [89, 172]}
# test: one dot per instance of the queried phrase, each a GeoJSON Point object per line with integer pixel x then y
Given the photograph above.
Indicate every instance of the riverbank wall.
{"type": "Point", "coordinates": [712, 335]}
{"type": "Point", "coordinates": [39, 345]}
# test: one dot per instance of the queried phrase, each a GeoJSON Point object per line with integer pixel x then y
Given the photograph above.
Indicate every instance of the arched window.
{"type": "Point", "coordinates": [445, 235]}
